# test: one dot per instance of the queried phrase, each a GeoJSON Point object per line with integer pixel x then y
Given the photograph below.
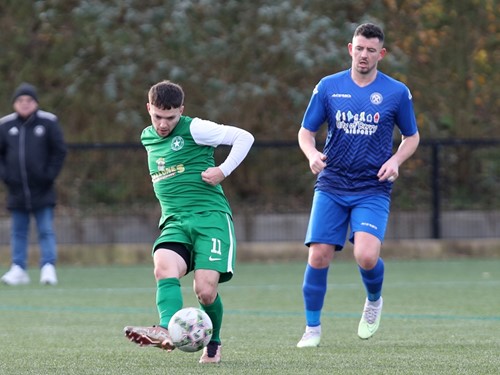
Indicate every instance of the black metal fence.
{"type": "Point", "coordinates": [448, 189]}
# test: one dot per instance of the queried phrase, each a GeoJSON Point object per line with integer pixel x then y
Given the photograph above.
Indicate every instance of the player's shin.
{"type": "Point", "coordinates": [373, 280]}
{"type": "Point", "coordinates": [314, 291]}
{"type": "Point", "coordinates": [168, 299]}
{"type": "Point", "coordinates": [215, 311]}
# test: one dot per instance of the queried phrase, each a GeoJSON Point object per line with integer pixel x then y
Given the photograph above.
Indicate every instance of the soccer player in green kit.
{"type": "Point", "coordinates": [197, 232]}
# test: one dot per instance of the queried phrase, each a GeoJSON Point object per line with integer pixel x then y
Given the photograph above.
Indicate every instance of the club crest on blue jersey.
{"type": "Point", "coordinates": [376, 98]}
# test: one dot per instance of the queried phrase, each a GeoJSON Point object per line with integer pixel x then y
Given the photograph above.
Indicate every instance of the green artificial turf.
{"type": "Point", "coordinates": [439, 317]}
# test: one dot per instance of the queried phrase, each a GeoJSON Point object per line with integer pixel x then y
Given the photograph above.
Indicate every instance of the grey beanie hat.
{"type": "Point", "coordinates": [25, 89]}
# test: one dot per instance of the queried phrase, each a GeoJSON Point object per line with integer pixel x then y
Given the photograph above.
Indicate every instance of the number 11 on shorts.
{"type": "Point", "coordinates": [216, 246]}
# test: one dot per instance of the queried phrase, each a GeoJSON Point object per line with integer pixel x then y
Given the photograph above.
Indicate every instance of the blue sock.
{"type": "Point", "coordinates": [314, 291]}
{"type": "Point", "coordinates": [373, 280]}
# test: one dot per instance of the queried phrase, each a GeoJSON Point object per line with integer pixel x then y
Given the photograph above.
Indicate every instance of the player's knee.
{"type": "Point", "coordinates": [366, 261]}
{"type": "Point", "coordinates": [159, 273]}
{"type": "Point", "coordinates": [162, 271]}
{"type": "Point", "coordinates": [206, 296]}
{"type": "Point", "coordinates": [320, 256]}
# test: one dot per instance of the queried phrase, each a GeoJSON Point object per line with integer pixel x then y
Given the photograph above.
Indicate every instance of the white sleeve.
{"type": "Point", "coordinates": [209, 133]}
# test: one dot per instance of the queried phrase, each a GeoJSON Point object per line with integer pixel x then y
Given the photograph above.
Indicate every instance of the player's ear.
{"type": "Point", "coordinates": [383, 51]}
{"type": "Point", "coordinates": [349, 48]}
{"type": "Point", "coordinates": [181, 109]}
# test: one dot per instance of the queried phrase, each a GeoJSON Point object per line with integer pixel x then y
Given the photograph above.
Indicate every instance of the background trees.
{"type": "Point", "coordinates": [254, 64]}
{"type": "Point", "coordinates": [249, 63]}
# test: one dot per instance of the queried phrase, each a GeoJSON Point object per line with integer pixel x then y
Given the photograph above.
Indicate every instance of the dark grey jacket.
{"type": "Point", "coordinates": [32, 154]}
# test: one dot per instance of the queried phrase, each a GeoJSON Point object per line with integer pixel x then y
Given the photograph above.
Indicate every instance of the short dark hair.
{"type": "Point", "coordinates": [166, 95]}
{"type": "Point", "coordinates": [369, 31]}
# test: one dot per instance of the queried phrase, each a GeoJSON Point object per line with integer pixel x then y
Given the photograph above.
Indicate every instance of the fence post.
{"type": "Point", "coordinates": [436, 197]}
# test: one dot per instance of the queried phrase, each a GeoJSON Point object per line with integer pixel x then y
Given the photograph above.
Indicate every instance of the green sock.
{"type": "Point", "coordinates": [168, 299]}
{"type": "Point", "coordinates": [215, 311]}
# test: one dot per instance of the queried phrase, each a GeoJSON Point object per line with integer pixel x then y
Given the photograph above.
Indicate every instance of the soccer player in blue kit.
{"type": "Point", "coordinates": [356, 171]}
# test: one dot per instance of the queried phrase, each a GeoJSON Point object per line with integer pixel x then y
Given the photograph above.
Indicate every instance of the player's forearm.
{"type": "Point", "coordinates": [307, 142]}
{"type": "Point", "coordinates": [407, 148]}
{"type": "Point", "coordinates": [241, 144]}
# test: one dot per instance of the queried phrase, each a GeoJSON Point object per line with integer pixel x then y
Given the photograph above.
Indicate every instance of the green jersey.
{"type": "Point", "coordinates": [175, 165]}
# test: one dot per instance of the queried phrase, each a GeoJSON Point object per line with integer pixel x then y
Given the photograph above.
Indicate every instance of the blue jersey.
{"type": "Point", "coordinates": [361, 123]}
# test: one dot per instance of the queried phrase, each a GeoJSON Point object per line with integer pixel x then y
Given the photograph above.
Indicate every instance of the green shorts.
{"type": "Point", "coordinates": [208, 237]}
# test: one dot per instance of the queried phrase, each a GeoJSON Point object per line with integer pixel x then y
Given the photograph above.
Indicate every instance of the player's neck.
{"type": "Point", "coordinates": [363, 80]}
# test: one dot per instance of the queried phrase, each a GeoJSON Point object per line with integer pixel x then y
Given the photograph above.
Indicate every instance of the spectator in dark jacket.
{"type": "Point", "coordinates": [32, 152]}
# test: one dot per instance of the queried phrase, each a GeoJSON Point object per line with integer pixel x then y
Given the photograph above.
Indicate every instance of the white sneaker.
{"type": "Point", "coordinates": [16, 276]}
{"type": "Point", "coordinates": [370, 320]}
{"type": "Point", "coordinates": [310, 338]}
{"type": "Point", "coordinates": [48, 275]}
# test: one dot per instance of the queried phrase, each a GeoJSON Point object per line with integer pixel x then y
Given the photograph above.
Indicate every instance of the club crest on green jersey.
{"type": "Point", "coordinates": [177, 143]}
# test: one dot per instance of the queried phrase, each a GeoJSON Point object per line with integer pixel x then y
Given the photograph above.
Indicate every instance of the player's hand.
{"type": "Point", "coordinates": [389, 171]}
{"type": "Point", "coordinates": [213, 176]}
{"type": "Point", "coordinates": [317, 162]}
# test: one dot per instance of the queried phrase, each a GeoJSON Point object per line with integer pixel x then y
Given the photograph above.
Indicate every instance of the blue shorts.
{"type": "Point", "coordinates": [333, 214]}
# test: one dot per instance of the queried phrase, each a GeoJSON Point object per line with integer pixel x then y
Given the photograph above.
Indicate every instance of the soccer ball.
{"type": "Point", "coordinates": [190, 329]}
